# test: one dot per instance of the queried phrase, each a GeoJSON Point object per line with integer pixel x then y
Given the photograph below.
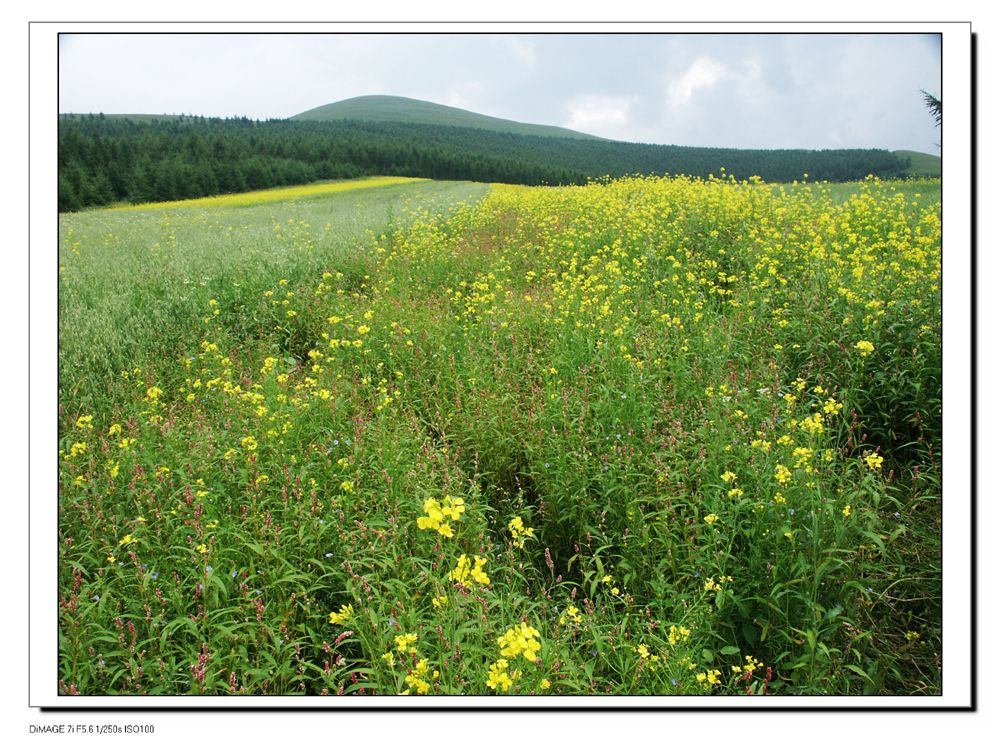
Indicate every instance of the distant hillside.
{"type": "Point", "coordinates": [109, 159]}
{"type": "Point", "coordinates": [400, 109]}
{"type": "Point", "coordinates": [921, 164]}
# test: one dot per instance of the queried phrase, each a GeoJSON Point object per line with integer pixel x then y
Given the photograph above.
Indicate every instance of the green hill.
{"type": "Point", "coordinates": [401, 109]}
{"type": "Point", "coordinates": [921, 164]}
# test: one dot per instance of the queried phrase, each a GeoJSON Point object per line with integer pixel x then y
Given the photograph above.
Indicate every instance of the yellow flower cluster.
{"type": "Point", "coordinates": [709, 677]}
{"type": "Point", "coordinates": [711, 585]}
{"type": "Point", "coordinates": [419, 679]}
{"type": "Point", "coordinates": [405, 642]}
{"type": "Point", "coordinates": [519, 532]}
{"type": "Point", "coordinates": [522, 640]}
{"type": "Point", "coordinates": [750, 664]}
{"type": "Point", "coordinates": [466, 572]}
{"type": "Point", "coordinates": [572, 615]}
{"type": "Point", "coordinates": [678, 634]}
{"type": "Point", "coordinates": [643, 651]}
{"type": "Point", "coordinates": [782, 474]}
{"type": "Point", "coordinates": [438, 514]}
{"type": "Point", "coordinates": [345, 613]}
{"type": "Point", "coordinates": [499, 679]}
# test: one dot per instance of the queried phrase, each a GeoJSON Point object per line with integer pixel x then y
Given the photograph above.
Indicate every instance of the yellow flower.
{"type": "Point", "coordinates": [519, 532]}
{"type": "Point", "coordinates": [346, 612]}
{"type": "Point", "coordinates": [847, 510]}
{"type": "Point", "coordinates": [711, 585]}
{"type": "Point", "coordinates": [711, 519]}
{"type": "Point", "coordinates": [782, 474]}
{"type": "Point", "coordinates": [405, 642]}
{"type": "Point", "coordinates": [465, 573]}
{"type": "Point", "coordinates": [865, 347]}
{"type": "Point", "coordinates": [417, 679]}
{"type": "Point", "coordinates": [874, 461]}
{"type": "Point", "coordinates": [572, 615]}
{"type": "Point", "coordinates": [678, 634]}
{"type": "Point", "coordinates": [520, 640]}
{"type": "Point", "coordinates": [498, 678]}
{"type": "Point", "coordinates": [832, 406]}
{"type": "Point", "coordinates": [709, 677]}
{"type": "Point", "coordinates": [750, 664]}
{"type": "Point", "coordinates": [436, 513]}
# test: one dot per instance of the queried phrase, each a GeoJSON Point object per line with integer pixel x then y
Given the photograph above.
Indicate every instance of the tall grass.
{"type": "Point", "coordinates": [651, 436]}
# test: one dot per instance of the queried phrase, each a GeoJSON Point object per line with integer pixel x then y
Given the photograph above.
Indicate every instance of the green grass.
{"type": "Point", "coordinates": [695, 427]}
{"type": "Point", "coordinates": [134, 284]}
{"type": "Point", "coordinates": [921, 164]}
{"type": "Point", "coordinates": [405, 110]}
{"type": "Point", "coordinates": [920, 192]}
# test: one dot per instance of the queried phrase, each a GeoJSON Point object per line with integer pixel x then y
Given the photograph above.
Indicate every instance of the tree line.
{"type": "Point", "coordinates": [110, 159]}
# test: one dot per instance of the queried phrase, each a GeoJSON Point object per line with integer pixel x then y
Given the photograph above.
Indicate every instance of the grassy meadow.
{"type": "Point", "coordinates": [644, 436]}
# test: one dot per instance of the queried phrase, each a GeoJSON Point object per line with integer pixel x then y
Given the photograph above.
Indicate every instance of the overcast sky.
{"type": "Point", "coordinates": [770, 91]}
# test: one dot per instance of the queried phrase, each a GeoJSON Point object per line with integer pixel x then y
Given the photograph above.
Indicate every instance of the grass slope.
{"type": "Point", "coordinates": [406, 110]}
{"type": "Point", "coordinates": [134, 284]}
{"type": "Point", "coordinates": [921, 164]}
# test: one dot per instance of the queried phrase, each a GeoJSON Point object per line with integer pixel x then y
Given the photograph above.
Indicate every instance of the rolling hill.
{"type": "Point", "coordinates": [921, 164]}
{"type": "Point", "coordinates": [399, 109]}
{"type": "Point", "coordinates": [142, 158]}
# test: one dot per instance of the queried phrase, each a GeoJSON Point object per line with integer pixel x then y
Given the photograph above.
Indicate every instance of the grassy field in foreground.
{"type": "Point", "coordinates": [654, 436]}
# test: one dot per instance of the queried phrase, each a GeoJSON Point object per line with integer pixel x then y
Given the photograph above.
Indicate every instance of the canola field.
{"type": "Point", "coordinates": [646, 436]}
{"type": "Point", "coordinates": [276, 195]}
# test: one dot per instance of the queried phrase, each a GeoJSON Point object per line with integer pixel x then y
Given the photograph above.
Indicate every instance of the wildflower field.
{"type": "Point", "coordinates": [644, 436]}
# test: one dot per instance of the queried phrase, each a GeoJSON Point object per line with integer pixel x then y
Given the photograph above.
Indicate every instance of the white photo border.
{"type": "Point", "coordinates": [958, 499]}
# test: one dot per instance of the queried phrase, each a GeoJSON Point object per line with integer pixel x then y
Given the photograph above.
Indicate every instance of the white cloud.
{"type": "Point", "coordinates": [703, 73]}
{"type": "Point", "coordinates": [522, 49]}
{"type": "Point", "coordinates": [594, 113]}
{"type": "Point", "coordinates": [467, 95]}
